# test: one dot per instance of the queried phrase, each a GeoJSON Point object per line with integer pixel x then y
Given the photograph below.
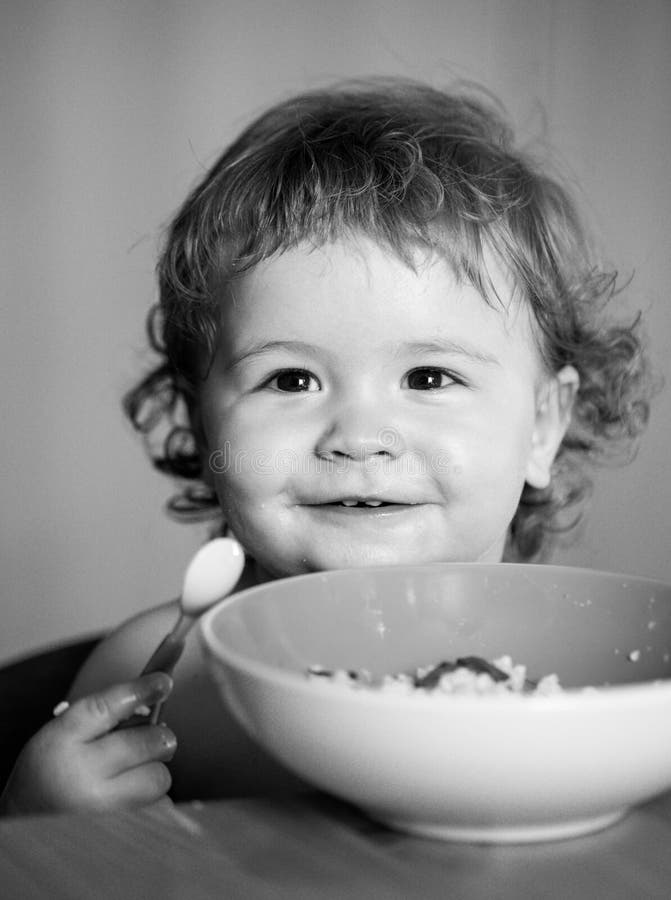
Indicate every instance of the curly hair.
{"type": "Point", "coordinates": [411, 167]}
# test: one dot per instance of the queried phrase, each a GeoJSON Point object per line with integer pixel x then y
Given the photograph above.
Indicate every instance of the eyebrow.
{"type": "Point", "coordinates": [263, 347]}
{"type": "Point", "coordinates": [418, 348]}
{"type": "Point", "coordinates": [446, 345]}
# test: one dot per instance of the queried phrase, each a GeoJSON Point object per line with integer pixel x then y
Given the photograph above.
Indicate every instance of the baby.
{"type": "Point", "coordinates": [383, 340]}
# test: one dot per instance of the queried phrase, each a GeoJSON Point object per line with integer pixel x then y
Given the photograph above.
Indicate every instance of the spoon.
{"type": "Point", "coordinates": [210, 576]}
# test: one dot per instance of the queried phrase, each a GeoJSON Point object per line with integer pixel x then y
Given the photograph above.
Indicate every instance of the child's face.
{"type": "Point", "coordinates": [342, 375]}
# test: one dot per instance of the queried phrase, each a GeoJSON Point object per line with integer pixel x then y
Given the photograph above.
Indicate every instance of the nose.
{"type": "Point", "coordinates": [360, 431]}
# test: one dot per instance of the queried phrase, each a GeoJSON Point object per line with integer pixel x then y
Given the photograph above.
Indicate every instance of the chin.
{"type": "Point", "coordinates": [357, 558]}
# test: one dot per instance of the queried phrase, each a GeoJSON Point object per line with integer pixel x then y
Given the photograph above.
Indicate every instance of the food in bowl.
{"type": "Point", "coordinates": [466, 675]}
{"type": "Point", "coordinates": [486, 767]}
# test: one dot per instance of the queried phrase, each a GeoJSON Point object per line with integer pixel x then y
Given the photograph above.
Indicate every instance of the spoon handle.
{"type": "Point", "coordinates": [163, 659]}
{"type": "Point", "coordinates": [166, 655]}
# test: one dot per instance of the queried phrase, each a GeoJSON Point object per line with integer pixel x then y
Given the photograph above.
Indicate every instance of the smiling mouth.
{"type": "Point", "coordinates": [361, 504]}
{"type": "Point", "coordinates": [355, 505]}
{"type": "Point", "coordinates": [372, 510]}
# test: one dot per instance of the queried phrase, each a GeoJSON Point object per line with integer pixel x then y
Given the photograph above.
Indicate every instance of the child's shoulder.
{"type": "Point", "coordinates": [122, 654]}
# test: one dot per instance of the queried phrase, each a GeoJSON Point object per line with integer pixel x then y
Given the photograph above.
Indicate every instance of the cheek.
{"type": "Point", "coordinates": [489, 445]}
{"type": "Point", "coordinates": [249, 428]}
{"type": "Point", "coordinates": [246, 478]}
{"type": "Point", "coordinates": [253, 474]}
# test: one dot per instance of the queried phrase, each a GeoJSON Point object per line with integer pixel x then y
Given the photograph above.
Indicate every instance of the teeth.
{"type": "Point", "coordinates": [373, 503]}
{"type": "Point", "coordinates": [349, 502]}
{"type": "Point", "coordinates": [361, 502]}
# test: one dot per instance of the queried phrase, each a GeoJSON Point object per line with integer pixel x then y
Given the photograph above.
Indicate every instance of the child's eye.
{"type": "Point", "coordinates": [293, 381]}
{"type": "Point", "coordinates": [428, 379]}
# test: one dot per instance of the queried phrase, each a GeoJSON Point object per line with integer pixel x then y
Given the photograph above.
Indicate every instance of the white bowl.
{"type": "Point", "coordinates": [512, 768]}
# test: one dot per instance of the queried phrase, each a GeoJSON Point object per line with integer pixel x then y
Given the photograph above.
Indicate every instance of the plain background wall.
{"type": "Point", "coordinates": [111, 110]}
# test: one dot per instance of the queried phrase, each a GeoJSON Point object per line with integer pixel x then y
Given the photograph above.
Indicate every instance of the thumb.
{"type": "Point", "coordinates": [96, 714]}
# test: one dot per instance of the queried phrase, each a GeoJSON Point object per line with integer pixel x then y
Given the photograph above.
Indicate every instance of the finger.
{"type": "Point", "coordinates": [137, 787]}
{"type": "Point", "coordinates": [96, 714]}
{"type": "Point", "coordinates": [133, 747]}
{"type": "Point", "coordinates": [141, 785]}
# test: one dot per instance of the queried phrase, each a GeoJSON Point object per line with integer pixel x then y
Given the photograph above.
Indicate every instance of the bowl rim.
{"type": "Point", "coordinates": [654, 690]}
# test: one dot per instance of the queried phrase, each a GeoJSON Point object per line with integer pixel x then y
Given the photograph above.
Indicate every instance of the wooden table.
{"type": "Point", "coordinates": [314, 848]}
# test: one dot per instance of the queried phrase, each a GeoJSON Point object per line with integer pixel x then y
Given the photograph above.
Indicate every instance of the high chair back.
{"type": "Point", "coordinates": [30, 688]}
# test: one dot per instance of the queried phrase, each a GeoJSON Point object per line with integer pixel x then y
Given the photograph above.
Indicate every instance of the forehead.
{"type": "Point", "coordinates": [370, 293]}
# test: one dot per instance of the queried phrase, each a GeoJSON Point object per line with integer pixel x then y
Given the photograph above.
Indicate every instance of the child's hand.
{"type": "Point", "coordinates": [77, 761]}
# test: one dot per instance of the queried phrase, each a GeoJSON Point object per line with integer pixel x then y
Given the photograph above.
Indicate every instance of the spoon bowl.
{"type": "Point", "coordinates": [211, 575]}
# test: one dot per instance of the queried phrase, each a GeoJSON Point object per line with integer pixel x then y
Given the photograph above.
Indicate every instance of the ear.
{"type": "Point", "coordinates": [554, 405]}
